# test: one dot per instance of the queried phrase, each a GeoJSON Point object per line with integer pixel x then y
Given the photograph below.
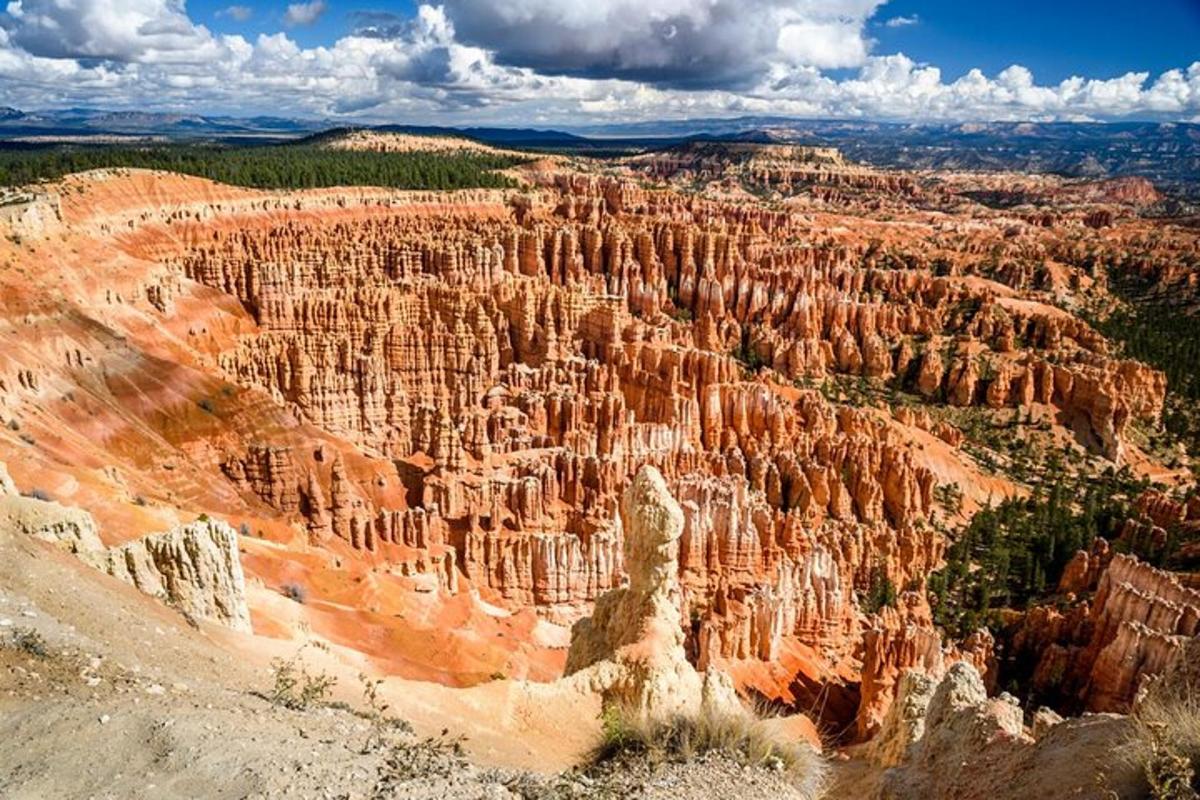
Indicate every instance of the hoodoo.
{"type": "Point", "coordinates": [631, 647]}
{"type": "Point", "coordinates": [763, 461]}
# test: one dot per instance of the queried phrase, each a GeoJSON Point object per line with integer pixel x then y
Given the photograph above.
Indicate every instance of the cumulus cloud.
{"type": "Point", "coordinates": [678, 43]}
{"type": "Point", "coordinates": [128, 30]}
{"type": "Point", "coordinates": [149, 54]}
{"type": "Point", "coordinates": [902, 22]}
{"type": "Point", "coordinates": [304, 13]}
{"type": "Point", "coordinates": [896, 87]}
{"type": "Point", "coordinates": [380, 24]}
{"type": "Point", "coordinates": [237, 13]}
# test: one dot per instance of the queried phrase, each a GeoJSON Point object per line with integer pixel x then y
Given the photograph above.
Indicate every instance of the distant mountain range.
{"type": "Point", "coordinates": [96, 122]}
{"type": "Point", "coordinates": [1166, 153]}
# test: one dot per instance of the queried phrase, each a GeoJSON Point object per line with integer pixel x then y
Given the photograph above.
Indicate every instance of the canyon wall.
{"type": "Point", "coordinates": [453, 391]}
{"type": "Point", "coordinates": [1097, 653]}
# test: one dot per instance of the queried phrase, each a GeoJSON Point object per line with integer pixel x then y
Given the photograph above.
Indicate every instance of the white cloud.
{"type": "Point", "coordinates": [681, 43]}
{"type": "Point", "coordinates": [304, 13]}
{"type": "Point", "coordinates": [821, 44]}
{"type": "Point", "coordinates": [148, 54]}
{"type": "Point", "coordinates": [902, 22]}
{"type": "Point", "coordinates": [126, 30]}
{"type": "Point", "coordinates": [237, 13]}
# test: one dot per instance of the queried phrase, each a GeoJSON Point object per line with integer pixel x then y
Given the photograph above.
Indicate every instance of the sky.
{"type": "Point", "coordinates": [577, 62]}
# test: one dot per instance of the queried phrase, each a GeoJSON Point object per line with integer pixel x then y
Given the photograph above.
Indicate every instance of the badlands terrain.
{"type": "Point", "coordinates": [363, 492]}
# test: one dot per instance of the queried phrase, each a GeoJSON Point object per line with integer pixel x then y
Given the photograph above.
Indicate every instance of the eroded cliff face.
{"type": "Point", "coordinates": [947, 738]}
{"type": "Point", "coordinates": [442, 397]}
{"type": "Point", "coordinates": [1134, 623]}
{"type": "Point", "coordinates": [523, 373]}
{"type": "Point", "coordinates": [898, 642]}
{"type": "Point", "coordinates": [194, 568]}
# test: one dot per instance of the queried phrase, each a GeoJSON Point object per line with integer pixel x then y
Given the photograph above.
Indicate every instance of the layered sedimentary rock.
{"type": "Point", "coordinates": [497, 362]}
{"type": "Point", "coordinates": [1140, 619]}
{"type": "Point", "coordinates": [1082, 573]}
{"type": "Point", "coordinates": [1162, 523]}
{"type": "Point", "coordinates": [631, 648]}
{"type": "Point", "coordinates": [193, 567]}
{"type": "Point", "coordinates": [450, 391]}
{"type": "Point", "coordinates": [902, 640]}
{"type": "Point", "coordinates": [65, 527]}
{"type": "Point", "coordinates": [1098, 654]}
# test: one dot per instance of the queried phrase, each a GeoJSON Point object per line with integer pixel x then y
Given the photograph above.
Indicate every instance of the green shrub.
{"type": "Point", "coordinates": [294, 687]}
{"type": "Point", "coordinates": [881, 593]}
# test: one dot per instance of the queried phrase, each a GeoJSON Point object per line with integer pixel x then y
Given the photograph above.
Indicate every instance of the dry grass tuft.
{"type": "Point", "coordinates": [742, 737]}
{"type": "Point", "coordinates": [1166, 740]}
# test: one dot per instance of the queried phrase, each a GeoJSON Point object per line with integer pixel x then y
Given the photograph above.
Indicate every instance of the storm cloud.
{"type": "Point", "coordinates": [691, 44]}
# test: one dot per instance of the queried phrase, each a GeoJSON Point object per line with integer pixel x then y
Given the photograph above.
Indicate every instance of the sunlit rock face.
{"type": "Point", "coordinates": [1096, 657]}
{"type": "Point", "coordinates": [631, 648]}
{"type": "Point", "coordinates": [447, 394]}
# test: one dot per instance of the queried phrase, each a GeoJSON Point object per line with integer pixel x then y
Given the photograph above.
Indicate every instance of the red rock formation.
{"type": "Point", "coordinates": [907, 640]}
{"type": "Point", "coordinates": [1083, 572]}
{"type": "Point", "coordinates": [1099, 654]}
{"type": "Point", "coordinates": [1139, 618]}
{"type": "Point", "coordinates": [455, 389]}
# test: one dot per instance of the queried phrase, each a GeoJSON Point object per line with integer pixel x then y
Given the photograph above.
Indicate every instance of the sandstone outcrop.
{"type": "Point", "coordinates": [194, 568]}
{"type": "Point", "coordinates": [547, 396]}
{"type": "Point", "coordinates": [494, 361]}
{"type": "Point", "coordinates": [1096, 655]}
{"type": "Point", "coordinates": [631, 648]}
{"type": "Point", "coordinates": [900, 641]}
{"type": "Point", "coordinates": [70, 529]}
{"type": "Point", "coordinates": [904, 723]}
{"type": "Point", "coordinates": [1140, 619]}
{"type": "Point", "coordinates": [1082, 573]}
{"type": "Point", "coordinates": [947, 739]}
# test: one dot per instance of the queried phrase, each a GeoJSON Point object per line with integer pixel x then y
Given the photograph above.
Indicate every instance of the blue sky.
{"type": "Point", "coordinates": [563, 61]}
{"type": "Point", "coordinates": [334, 23]}
{"type": "Point", "coordinates": [1054, 38]}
